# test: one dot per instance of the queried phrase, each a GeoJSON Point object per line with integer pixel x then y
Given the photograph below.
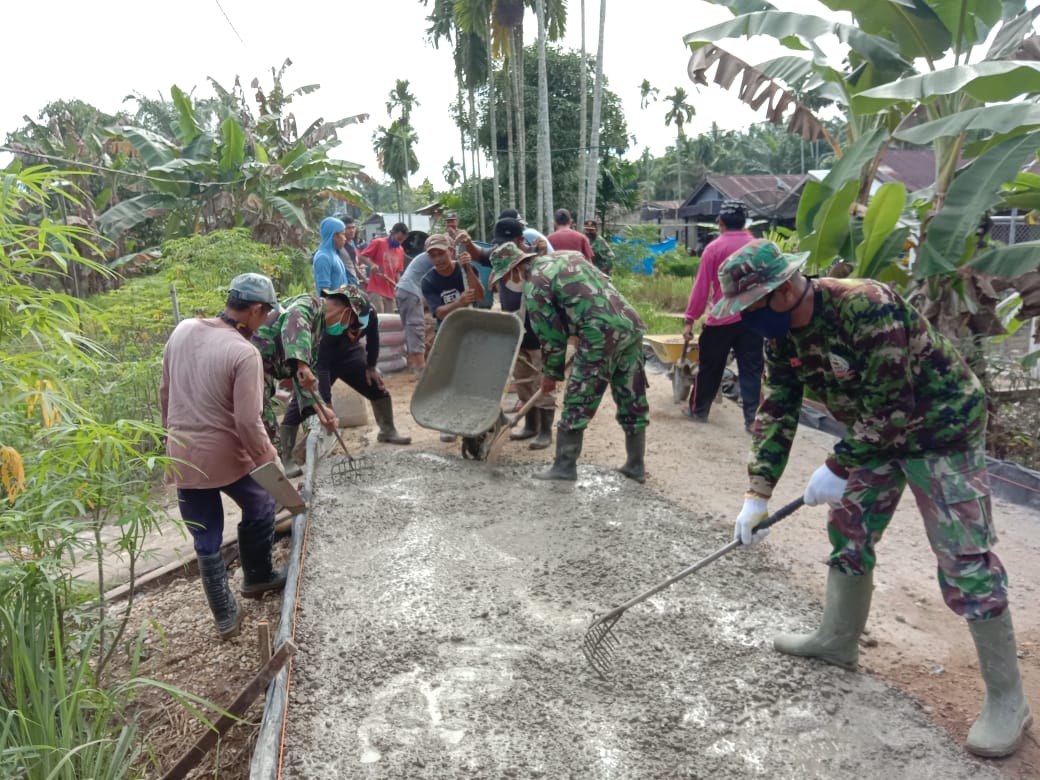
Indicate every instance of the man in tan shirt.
{"type": "Point", "coordinates": [212, 393]}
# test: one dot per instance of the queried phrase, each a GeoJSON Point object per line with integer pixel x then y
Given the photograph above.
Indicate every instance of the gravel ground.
{"type": "Point", "coordinates": [440, 625]}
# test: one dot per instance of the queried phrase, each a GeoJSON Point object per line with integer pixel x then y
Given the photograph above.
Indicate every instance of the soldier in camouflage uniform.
{"type": "Point", "coordinates": [566, 296]}
{"type": "Point", "coordinates": [602, 254]}
{"type": "Point", "coordinates": [915, 414]}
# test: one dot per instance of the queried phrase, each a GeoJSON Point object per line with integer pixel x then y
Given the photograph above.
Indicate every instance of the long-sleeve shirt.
{"type": "Point", "coordinates": [212, 394]}
{"type": "Point", "coordinates": [878, 366]}
{"type": "Point", "coordinates": [329, 272]}
{"type": "Point", "coordinates": [568, 296]}
{"type": "Point", "coordinates": [707, 290]}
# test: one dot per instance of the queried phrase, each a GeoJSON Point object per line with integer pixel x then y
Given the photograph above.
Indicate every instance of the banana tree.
{"type": "Point", "coordinates": [977, 116]}
{"type": "Point", "coordinates": [261, 173]}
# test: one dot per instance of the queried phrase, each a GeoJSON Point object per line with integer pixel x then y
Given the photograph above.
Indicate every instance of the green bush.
{"type": "Point", "coordinates": [676, 262]}
{"type": "Point", "coordinates": [660, 300]}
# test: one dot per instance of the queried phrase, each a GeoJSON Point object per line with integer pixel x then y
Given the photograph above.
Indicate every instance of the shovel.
{"type": "Point", "coordinates": [272, 479]}
{"type": "Point", "coordinates": [600, 642]}
{"type": "Point", "coordinates": [495, 447]}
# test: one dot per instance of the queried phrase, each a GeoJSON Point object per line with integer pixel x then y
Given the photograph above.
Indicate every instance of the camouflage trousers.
{"type": "Point", "coordinates": [592, 371]}
{"type": "Point", "coordinates": [952, 494]}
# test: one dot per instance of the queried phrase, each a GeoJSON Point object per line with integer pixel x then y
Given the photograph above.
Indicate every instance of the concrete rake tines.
{"type": "Point", "coordinates": [348, 469]}
{"type": "Point", "coordinates": [599, 643]}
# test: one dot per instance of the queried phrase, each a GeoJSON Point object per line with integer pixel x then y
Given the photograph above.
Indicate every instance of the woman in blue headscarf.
{"type": "Point", "coordinates": [329, 273]}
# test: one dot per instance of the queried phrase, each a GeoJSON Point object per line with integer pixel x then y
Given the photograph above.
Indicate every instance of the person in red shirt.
{"type": "Point", "coordinates": [385, 256]}
{"type": "Point", "coordinates": [566, 237]}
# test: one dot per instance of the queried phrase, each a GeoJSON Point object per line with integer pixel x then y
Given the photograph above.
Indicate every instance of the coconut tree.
{"type": "Point", "coordinates": [679, 113]}
{"type": "Point", "coordinates": [395, 154]}
{"type": "Point", "coordinates": [592, 171]}
{"type": "Point", "coordinates": [405, 101]}
{"type": "Point", "coordinates": [647, 94]}
{"type": "Point", "coordinates": [545, 190]}
{"type": "Point", "coordinates": [583, 122]}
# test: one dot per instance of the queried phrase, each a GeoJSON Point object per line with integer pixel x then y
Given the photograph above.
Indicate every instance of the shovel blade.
{"type": "Point", "coordinates": [271, 479]}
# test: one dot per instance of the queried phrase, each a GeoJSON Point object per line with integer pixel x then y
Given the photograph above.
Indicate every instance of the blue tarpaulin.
{"type": "Point", "coordinates": [647, 253]}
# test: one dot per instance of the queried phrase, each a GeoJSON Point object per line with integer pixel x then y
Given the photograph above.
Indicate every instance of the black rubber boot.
{"type": "Point", "coordinates": [383, 411]}
{"type": "Point", "coordinates": [635, 448]}
{"type": "Point", "coordinates": [544, 437]}
{"type": "Point", "coordinates": [254, 550]}
{"type": "Point", "coordinates": [530, 428]}
{"type": "Point", "coordinates": [568, 448]}
{"type": "Point", "coordinates": [222, 604]}
{"type": "Point", "coordinates": [286, 442]}
{"type": "Point", "coordinates": [1005, 712]}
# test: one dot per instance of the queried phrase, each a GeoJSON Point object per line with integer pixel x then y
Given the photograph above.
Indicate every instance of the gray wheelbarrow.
{"type": "Point", "coordinates": [466, 377]}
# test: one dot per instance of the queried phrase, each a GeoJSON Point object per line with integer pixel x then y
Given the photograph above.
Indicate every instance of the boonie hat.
{"type": "Point", "coordinates": [507, 230]}
{"type": "Point", "coordinates": [751, 273]}
{"type": "Point", "coordinates": [438, 241]}
{"type": "Point", "coordinates": [505, 258]}
{"type": "Point", "coordinates": [350, 295]}
{"type": "Point", "coordinates": [255, 288]}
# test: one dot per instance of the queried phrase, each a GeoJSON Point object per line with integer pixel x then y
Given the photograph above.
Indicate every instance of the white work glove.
{"type": "Point", "coordinates": [755, 511]}
{"type": "Point", "coordinates": [825, 487]}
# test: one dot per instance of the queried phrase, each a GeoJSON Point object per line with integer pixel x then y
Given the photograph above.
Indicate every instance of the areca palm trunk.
{"type": "Point", "coordinates": [462, 132]}
{"type": "Point", "coordinates": [507, 70]}
{"type": "Point", "coordinates": [544, 149]}
{"type": "Point", "coordinates": [481, 225]}
{"type": "Point", "coordinates": [519, 113]}
{"type": "Point", "coordinates": [493, 111]}
{"type": "Point", "coordinates": [583, 128]}
{"type": "Point", "coordinates": [592, 172]}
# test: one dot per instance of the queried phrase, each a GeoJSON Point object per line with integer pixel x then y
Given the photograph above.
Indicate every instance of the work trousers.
{"type": "Point", "coordinates": [952, 494]}
{"type": "Point", "coordinates": [593, 370]}
{"type": "Point", "coordinates": [202, 510]}
{"type": "Point", "coordinates": [527, 375]}
{"type": "Point", "coordinates": [338, 358]}
{"type": "Point", "coordinates": [413, 320]}
{"type": "Point", "coordinates": [715, 343]}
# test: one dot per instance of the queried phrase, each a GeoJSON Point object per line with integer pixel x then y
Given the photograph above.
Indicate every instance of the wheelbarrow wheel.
{"type": "Point", "coordinates": [472, 447]}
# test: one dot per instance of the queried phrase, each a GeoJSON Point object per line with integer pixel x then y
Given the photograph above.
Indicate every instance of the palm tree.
{"type": "Point", "coordinates": [451, 172]}
{"type": "Point", "coordinates": [545, 188]}
{"type": "Point", "coordinates": [395, 153]}
{"type": "Point", "coordinates": [401, 98]}
{"type": "Point", "coordinates": [592, 173]}
{"type": "Point", "coordinates": [680, 113]}
{"type": "Point", "coordinates": [442, 26]}
{"type": "Point", "coordinates": [583, 119]}
{"type": "Point", "coordinates": [647, 94]}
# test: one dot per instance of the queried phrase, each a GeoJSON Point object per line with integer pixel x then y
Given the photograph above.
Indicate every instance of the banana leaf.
{"type": "Point", "coordinates": [882, 215]}
{"type": "Point", "coordinates": [1014, 118]}
{"type": "Point", "coordinates": [1009, 261]}
{"type": "Point", "coordinates": [987, 82]}
{"type": "Point", "coordinates": [130, 213]}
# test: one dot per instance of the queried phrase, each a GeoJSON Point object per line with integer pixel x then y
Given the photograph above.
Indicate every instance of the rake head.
{"type": "Point", "coordinates": [348, 469]}
{"type": "Point", "coordinates": [599, 643]}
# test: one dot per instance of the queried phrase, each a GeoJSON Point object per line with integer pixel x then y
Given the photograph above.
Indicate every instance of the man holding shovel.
{"type": "Point", "coordinates": [211, 394]}
{"type": "Point", "coordinates": [915, 414]}
{"type": "Point", "coordinates": [567, 296]}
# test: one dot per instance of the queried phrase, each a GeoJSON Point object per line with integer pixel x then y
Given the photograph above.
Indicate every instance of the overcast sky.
{"type": "Point", "coordinates": [101, 52]}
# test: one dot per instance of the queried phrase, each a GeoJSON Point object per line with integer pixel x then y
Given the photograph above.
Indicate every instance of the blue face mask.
{"type": "Point", "coordinates": [771, 324]}
{"type": "Point", "coordinates": [767, 323]}
{"type": "Point", "coordinates": [393, 243]}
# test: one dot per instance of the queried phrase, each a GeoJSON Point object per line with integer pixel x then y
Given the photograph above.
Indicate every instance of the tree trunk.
{"type": "Point", "coordinates": [462, 132]}
{"type": "Point", "coordinates": [583, 129]}
{"type": "Point", "coordinates": [507, 71]}
{"type": "Point", "coordinates": [544, 148]}
{"type": "Point", "coordinates": [481, 224]}
{"type": "Point", "coordinates": [592, 174]}
{"type": "Point", "coordinates": [521, 145]}
{"type": "Point", "coordinates": [493, 111]}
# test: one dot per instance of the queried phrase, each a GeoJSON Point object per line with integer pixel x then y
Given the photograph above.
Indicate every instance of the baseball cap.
{"type": "Point", "coordinates": [507, 229]}
{"type": "Point", "coordinates": [504, 258]}
{"type": "Point", "coordinates": [255, 288]}
{"type": "Point", "coordinates": [451, 215]}
{"type": "Point", "coordinates": [438, 241]}
{"type": "Point", "coordinates": [752, 272]}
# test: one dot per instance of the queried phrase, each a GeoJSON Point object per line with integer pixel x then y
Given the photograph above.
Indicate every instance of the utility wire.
{"type": "Point", "coordinates": [230, 24]}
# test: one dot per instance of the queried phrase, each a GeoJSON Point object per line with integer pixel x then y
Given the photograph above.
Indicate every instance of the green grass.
{"type": "Point", "coordinates": [660, 300]}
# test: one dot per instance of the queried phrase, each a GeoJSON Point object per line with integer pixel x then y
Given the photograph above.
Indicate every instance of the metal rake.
{"type": "Point", "coordinates": [600, 642]}
{"type": "Point", "coordinates": [347, 468]}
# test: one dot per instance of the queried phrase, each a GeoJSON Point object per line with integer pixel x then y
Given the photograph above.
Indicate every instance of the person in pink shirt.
{"type": "Point", "coordinates": [385, 256]}
{"type": "Point", "coordinates": [566, 237]}
{"type": "Point", "coordinates": [719, 336]}
{"type": "Point", "coordinates": [211, 395]}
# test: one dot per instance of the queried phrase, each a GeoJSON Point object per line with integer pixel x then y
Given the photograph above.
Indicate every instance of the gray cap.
{"type": "Point", "coordinates": [255, 288]}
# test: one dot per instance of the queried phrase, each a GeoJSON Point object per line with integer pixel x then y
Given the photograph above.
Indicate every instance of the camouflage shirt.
{"type": "Point", "coordinates": [602, 254]}
{"type": "Point", "coordinates": [878, 366]}
{"type": "Point", "coordinates": [568, 296]}
{"type": "Point", "coordinates": [287, 336]}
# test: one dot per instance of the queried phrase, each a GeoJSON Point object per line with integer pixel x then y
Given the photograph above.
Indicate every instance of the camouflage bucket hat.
{"type": "Point", "coordinates": [505, 258]}
{"type": "Point", "coordinates": [350, 295]}
{"type": "Point", "coordinates": [751, 273]}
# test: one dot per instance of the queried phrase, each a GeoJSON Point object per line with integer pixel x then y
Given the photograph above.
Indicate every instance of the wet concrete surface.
{"type": "Point", "coordinates": [440, 625]}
